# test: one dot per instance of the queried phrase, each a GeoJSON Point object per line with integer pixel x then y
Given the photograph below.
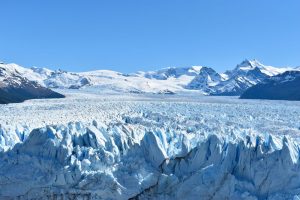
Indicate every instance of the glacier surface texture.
{"type": "Point", "coordinates": [90, 146]}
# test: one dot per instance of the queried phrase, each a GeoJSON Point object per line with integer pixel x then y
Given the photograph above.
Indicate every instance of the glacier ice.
{"type": "Point", "coordinates": [148, 148]}
{"type": "Point", "coordinates": [118, 162]}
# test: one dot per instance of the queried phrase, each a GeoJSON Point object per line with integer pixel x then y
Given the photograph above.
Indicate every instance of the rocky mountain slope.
{"type": "Point", "coordinates": [243, 76]}
{"type": "Point", "coordinates": [14, 87]}
{"type": "Point", "coordinates": [284, 86]}
{"type": "Point", "coordinates": [206, 80]}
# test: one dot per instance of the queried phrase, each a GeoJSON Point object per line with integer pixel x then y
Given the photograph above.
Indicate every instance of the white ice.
{"type": "Point", "coordinates": [116, 146]}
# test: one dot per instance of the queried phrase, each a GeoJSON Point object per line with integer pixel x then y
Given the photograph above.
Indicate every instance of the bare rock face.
{"type": "Point", "coordinates": [285, 86]}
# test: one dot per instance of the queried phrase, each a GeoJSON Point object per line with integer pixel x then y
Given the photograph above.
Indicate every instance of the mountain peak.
{"type": "Point", "coordinates": [196, 68]}
{"type": "Point", "coordinates": [249, 64]}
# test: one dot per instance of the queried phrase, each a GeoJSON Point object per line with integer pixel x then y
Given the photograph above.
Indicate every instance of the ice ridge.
{"type": "Point", "coordinates": [121, 161]}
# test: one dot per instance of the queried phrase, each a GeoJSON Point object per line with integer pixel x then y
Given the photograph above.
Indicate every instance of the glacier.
{"type": "Point", "coordinates": [91, 146]}
{"type": "Point", "coordinates": [117, 162]}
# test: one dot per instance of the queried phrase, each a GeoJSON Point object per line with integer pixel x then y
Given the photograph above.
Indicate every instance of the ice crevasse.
{"type": "Point", "coordinates": [122, 161]}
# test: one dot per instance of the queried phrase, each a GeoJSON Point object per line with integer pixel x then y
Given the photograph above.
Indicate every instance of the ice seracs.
{"type": "Point", "coordinates": [122, 162]}
{"type": "Point", "coordinates": [97, 146]}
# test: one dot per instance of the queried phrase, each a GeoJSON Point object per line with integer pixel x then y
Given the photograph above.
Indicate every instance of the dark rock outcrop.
{"type": "Point", "coordinates": [285, 86]}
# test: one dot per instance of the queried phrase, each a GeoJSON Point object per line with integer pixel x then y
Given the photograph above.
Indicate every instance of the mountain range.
{"type": "Point", "coordinates": [165, 81]}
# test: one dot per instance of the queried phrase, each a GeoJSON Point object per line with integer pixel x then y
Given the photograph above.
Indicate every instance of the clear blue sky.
{"type": "Point", "coordinates": [136, 35]}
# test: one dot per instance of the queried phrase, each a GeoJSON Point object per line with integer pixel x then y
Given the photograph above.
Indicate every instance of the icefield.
{"type": "Point", "coordinates": [93, 146]}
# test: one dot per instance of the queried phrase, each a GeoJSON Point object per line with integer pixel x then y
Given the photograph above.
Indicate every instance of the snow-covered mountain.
{"type": "Point", "coordinates": [248, 65]}
{"type": "Point", "coordinates": [169, 80]}
{"type": "Point", "coordinates": [172, 72]}
{"type": "Point", "coordinates": [245, 75]}
{"type": "Point", "coordinates": [206, 80]}
{"type": "Point", "coordinates": [15, 87]}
